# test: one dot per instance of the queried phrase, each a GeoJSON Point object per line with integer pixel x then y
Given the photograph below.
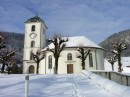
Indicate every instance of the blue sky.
{"type": "Point", "coordinates": [95, 19]}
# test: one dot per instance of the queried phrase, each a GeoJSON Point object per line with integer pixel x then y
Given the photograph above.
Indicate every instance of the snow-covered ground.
{"type": "Point", "coordinates": [125, 65]}
{"type": "Point", "coordinates": [73, 85]}
{"type": "Point", "coordinates": [77, 85]}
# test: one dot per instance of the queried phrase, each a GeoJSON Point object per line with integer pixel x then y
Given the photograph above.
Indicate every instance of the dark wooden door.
{"type": "Point", "coordinates": [31, 69]}
{"type": "Point", "coordinates": [70, 68]}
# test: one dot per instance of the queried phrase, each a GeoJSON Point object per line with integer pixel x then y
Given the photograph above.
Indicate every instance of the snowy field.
{"type": "Point", "coordinates": [77, 85]}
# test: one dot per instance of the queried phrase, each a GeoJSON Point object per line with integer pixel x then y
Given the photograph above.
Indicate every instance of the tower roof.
{"type": "Point", "coordinates": [35, 19]}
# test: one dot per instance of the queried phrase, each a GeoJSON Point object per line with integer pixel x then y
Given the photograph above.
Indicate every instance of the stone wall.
{"type": "Point", "coordinates": [109, 85]}
{"type": "Point", "coordinates": [115, 76]}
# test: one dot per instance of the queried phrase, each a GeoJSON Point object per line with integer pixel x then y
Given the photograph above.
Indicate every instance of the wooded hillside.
{"type": "Point", "coordinates": [123, 36]}
{"type": "Point", "coordinates": [15, 42]}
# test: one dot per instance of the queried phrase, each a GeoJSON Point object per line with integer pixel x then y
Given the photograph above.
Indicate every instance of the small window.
{"type": "Point", "coordinates": [50, 62]}
{"type": "Point", "coordinates": [33, 28]}
{"type": "Point", "coordinates": [32, 43]}
{"type": "Point", "coordinates": [90, 60]}
{"type": "Point", "coordinates": [31, 56]}
{"type": "Point", "coordinates": [69, 56]}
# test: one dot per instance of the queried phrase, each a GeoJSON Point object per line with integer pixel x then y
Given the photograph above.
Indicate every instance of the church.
{"type": "Point", "coordinates": [35, 39]}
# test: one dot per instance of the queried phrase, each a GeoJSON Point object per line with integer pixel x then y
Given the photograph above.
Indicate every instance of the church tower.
{"type": "Point", "coordinates": [35, 39]}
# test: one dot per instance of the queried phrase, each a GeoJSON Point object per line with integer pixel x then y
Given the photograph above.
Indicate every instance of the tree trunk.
{"type": "Point", "coordinates": [83, 64]}
{"type": "Point", "coordinates": [56, 65]}
{"type": "Point", "coordinates": [112, 67]}
{"type": "Point", "coordinates": [3, 67]}
{"type": "Point", "coordinates": [83, 59]}
{"type": "Point", "coordinates": [9, 69]}
{"type": "Point", "coordinates": [119, 63]}
{"type": "Point", "coordinates": [37, 68]}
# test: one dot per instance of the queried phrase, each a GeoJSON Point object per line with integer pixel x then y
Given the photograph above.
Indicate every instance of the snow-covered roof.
{"type": "Point", "coordinates": [77, 41]}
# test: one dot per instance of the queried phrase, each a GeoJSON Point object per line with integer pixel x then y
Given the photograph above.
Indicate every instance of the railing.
{"type": "Point", "coordinates": [120, 78]}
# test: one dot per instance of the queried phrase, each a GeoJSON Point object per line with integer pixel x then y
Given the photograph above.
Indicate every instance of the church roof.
{"type": "Point", "coordinates": [77, 41]}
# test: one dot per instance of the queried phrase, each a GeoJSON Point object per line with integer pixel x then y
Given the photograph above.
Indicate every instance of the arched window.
{"type": "Point", "coordinates": [31, 69]}
{"type": "Point", "coordinates": [33, 27]}
{"type": "Point", "coordinates": [69, 56]}
{"type": "Point", "coordinates": [50, 62]}
{"type": "Point", "coordinates": [90, 60]}
{"type": "Point", "coordinates": [32, 43]}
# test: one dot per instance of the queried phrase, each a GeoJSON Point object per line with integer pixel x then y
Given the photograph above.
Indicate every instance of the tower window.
{"type": "Point", "coordinates": [50, 62]}
{"type": "Point", "coordinates": [33, 27]}
{"type": "Point", "coordinates": [32, 43]}
{"type": "Point", "coordinates": [69, 56]}
{"type": "Point", "coordinates": [31, 56]}
{"type": "Point", "coordinates": [90, 60]}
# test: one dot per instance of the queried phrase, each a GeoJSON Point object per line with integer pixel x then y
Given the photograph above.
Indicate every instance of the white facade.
{"type": "Point", "coordinates": [98, 61]}
{"type": "Point", "coordinates": [65, 66]}
{"type": "Point", "coordinates": [35, 39]}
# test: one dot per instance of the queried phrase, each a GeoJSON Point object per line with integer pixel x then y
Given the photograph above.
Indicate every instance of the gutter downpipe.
{"type": "Point", "coordinates": [96, 58]}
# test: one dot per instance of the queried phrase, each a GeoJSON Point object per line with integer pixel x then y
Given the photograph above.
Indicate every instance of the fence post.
{"type": "Point", "coordinates": [26, 85]}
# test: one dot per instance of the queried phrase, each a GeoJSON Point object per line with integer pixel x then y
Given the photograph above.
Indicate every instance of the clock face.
{"type": "Point", "coordinates": [33, 35]}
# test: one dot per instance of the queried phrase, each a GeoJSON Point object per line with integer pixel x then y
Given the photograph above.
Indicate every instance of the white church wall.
{"type": "Point", "coordinates": [27, 65]}
{"type": "Point", "coordinates": [62, 67]}
{"type": "Point", "coordinates": [28, 32]}
{"type": "Point", "coordinates": [97, 56]}
{"type": "Point", "coordinates": [51, 70]}
{"type": "Point", "coordinates": [25, 69]}
{"type": "Point", "coordinates": [42, 66]}
{"type": "Point", "coordinates": [94, 60]}
{"type": "Point", "coordinates": [64, 62]}
{"type": "Point", "coordinates": [100, 59]}
{"type": "Point", "coordinates": [43, 36]}
{"type": "Point", "coordinates": [40, 42]}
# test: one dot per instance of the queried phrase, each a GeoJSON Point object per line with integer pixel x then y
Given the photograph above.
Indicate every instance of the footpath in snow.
{"type": "Point", "coordinates": [73, 85]}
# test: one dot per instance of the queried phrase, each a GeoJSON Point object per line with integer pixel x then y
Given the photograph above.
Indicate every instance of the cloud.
{"type": "Point", "coordinates": [90, 18]}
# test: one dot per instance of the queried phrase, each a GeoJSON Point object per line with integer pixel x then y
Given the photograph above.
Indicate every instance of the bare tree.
{"type": "Point", "coordinates": [37, 58]}
{"type": "Point", "coordinates": [2, 45]}
{"type": "Point", "coordinates": [118, 48]}
{"type": "Point", "coordinates": [5, 57]}
{"type": "Point", "coordinates": [83, 55]}
{"type": "Point", "coordinates": [10, 66]}
{"type": "Point", "coordinates": [59, 44]}
{"type": "Point", "coordinates": [112, 60]}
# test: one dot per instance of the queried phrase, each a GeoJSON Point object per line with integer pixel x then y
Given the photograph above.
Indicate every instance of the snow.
{"type": "Point", "coordinates": [71, 85]}
{"type": "Point", "coordinates": [125, 62]}
{"type": "Point", "coordinates": [77, 41]}
{"type": "Point", "coordinates": [111, 86]}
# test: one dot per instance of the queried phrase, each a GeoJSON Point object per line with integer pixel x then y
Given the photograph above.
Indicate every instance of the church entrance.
{"type": "Point", "coordinates": [69, 68]}
{"type": "Point", "coordinates": [31, 69]}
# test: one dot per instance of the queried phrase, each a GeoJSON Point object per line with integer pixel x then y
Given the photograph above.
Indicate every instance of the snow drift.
{"type": "Point", "coordinates": [111, 86]}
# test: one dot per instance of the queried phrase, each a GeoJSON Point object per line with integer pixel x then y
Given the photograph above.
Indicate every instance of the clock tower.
{"type": "Point", "coordinates": [34, 40]}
